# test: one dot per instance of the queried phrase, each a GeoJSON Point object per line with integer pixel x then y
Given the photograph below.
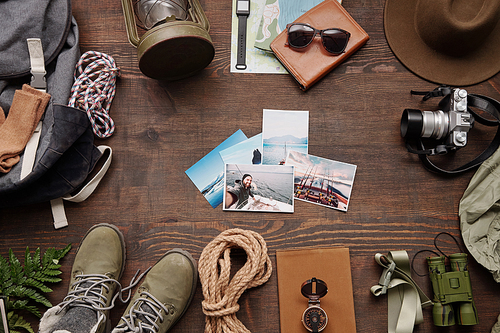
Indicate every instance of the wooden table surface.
{"type": "Point", "coordinates": [163, 128]}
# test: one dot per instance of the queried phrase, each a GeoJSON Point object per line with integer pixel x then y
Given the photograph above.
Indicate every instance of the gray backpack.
{"type": "Point", "coordinates": [65, 153]}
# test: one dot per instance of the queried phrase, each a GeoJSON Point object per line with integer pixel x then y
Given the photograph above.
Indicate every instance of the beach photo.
{"type": "Point", "coordinates": [208, 173]}
{"type": "Point", "coordinates": [282, 132]}
{"type": "Point", "coordinates": [321, 181]}
{"type": "Point", "coordinates": [266, 188]}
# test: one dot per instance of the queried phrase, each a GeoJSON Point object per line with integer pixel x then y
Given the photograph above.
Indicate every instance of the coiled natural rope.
{"type": "Point", "coordinates": [221, 295]}
{"type": "Point", "coordinates": [94, 90]}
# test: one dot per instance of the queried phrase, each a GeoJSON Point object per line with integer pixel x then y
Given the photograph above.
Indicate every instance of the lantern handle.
{"type": "Point", "coordinates": [198, 14]}
{"type": "Point", "coordinates": [128, 13]}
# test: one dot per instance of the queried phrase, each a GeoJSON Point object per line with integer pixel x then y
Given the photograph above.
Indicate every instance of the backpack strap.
{"type": "Point", "coordinates": [57, 205]}
{"type": "Point", "coordinates": [37, 62]}
{"type": "Point", "coordinates": [38, 82]}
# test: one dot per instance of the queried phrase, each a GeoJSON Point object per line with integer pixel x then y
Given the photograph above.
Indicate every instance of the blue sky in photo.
{"type": "Point", "coordinates": [203, 172]}
{"type": "Point", "coordinates": [242, 153]}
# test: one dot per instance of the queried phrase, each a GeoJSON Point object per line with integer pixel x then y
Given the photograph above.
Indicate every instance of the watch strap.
{"type": "Point", "coordinates": [242, 42]}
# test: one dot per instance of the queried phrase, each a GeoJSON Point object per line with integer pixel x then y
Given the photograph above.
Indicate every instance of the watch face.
{"type": "Point", "coordinates": [314, 317]}
{"type": "Point", "coordinates": [243, 6]}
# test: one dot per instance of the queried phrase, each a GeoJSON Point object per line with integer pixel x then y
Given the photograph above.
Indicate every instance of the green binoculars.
{"type": "Point", "coordinates": [453, 303]}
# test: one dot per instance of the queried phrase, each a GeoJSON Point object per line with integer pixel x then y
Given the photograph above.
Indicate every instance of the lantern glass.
{"type": "Point", "coordinates": [152, 12]}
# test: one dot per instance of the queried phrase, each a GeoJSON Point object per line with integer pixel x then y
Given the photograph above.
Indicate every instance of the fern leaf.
{"type": "Point", "coordinates": [59, 254]}
{"type": "Point", "coordinates": [23, 305]}
{"type": "Point", "coordinates": [37, 284]}
{"type": "Point", "coordinates": [17, 304]}
{"type": "Point", "coordinates": [21, 291]}
{"type": "Point", "coordinates": [17, 321]}
{"type": "Point", "coordinates": [24, 284]}
{"type": "Point", "coordinates": [37, 258]}
{"type": "Point", "coordinates": [4, 273]}
{"type": "Point", "coordinates": [8, 291]}
{"type": "Point", "coordinates": [16, 269]}
{"type": "Point", "coordinates": [44, 278]}
{"type": "Point", "coordinates": [51, 272]}
{"type": "Point", "coordinates": [29, 265]}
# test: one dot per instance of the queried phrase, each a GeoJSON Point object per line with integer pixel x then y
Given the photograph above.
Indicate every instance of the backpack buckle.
{"type": "Point", "coordinates": [37, 63]}
{"type": "Point", "coordinates": [38, 80]}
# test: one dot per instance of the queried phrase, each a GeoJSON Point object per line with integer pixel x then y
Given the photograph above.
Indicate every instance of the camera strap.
{"type": "Point", "coordinates": [484, 103]}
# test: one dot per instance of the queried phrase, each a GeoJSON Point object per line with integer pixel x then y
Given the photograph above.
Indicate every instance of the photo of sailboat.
{"type": "Point", "coordinates": [321, 181]}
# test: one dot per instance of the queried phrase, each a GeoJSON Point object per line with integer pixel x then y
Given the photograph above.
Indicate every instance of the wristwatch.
{"type": "Point", "coordinates": [242, 11]}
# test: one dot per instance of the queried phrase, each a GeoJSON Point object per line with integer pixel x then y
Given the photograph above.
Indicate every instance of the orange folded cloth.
{"type": "Point", "coordinates": [25, 112]}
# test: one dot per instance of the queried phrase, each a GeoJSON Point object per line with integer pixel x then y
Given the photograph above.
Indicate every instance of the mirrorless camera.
{"type": "Point", "coordinates": [448, 126]}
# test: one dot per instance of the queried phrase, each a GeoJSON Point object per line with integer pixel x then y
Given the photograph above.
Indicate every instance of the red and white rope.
{"type": "Point", "coordinates": [94, 89]}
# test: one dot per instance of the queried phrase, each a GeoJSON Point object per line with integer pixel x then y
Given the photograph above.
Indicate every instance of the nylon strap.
{"type": "Point", "coordinates": [37, 62]}
{"type": "Point", "coordinates": [38, 82]}
{"type": "Point", "coordinates": [57, 205]}
{"type": "Point", "coordinates": [405, 298]}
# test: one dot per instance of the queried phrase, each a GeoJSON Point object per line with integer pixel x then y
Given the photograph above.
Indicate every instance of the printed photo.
{"type": "Point", "coordinates": [321, 181]}
{"type": "Point", "coordinates": [208, 173]}
{"type": "Point", "coordinates": [245, 152]}
{"type": "Point", "coordinates": [266, 188]}
{"type": "Point", "coordinates": [282, 132]}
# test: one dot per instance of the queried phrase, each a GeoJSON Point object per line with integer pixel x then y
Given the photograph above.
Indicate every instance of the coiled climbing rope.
{"type": "Point", "coordinates": [221, 294]}
{"type": "Point", "coordinates": [94, 89]}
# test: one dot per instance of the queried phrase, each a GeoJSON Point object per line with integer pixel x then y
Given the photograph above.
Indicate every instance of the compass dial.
{"type": "Point", "coordinates": [314, 317]}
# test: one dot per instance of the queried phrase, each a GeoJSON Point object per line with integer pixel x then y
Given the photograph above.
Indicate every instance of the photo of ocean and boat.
{"type": "Point", "coordinates": [321, 181]}
{"type": "Point", "coordinates": [283, 131]}
{"type": "Point", "coordinates": [268, 188]}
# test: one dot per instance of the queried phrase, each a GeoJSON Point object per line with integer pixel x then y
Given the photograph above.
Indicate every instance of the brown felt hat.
{"type": "Point", "coordinates": [452, 42]}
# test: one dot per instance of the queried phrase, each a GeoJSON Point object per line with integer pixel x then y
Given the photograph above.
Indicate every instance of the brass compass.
{"type": "Point", "coordinates": [314, 317]}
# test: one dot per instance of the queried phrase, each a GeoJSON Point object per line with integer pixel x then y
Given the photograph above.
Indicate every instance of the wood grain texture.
{"type": "Point", "coordinates": [163, 128]}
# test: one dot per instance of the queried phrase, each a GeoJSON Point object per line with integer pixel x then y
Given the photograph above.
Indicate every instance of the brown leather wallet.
{"type": "Point", "coordinates": [310, 64]}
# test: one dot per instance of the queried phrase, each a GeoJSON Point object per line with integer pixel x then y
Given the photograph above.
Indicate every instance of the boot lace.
{"type": "Point", "coordinates": [143, 315]}
{"type": "Point", "coordinates": [89, 289]}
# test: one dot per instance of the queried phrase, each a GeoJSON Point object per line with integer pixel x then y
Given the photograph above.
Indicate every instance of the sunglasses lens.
{"type": "Point", "coordinates": [335, 41]}
{"type": "Point", "coordinates": [300, 35]}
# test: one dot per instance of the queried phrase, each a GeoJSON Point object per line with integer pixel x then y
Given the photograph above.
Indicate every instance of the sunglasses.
{"type": "Point", "coordinates": [300, 35]}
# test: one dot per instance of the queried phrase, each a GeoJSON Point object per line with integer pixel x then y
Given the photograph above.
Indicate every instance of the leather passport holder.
{"type": "Point", "coordinates": [310, 64]}
{"type": "Point", "coordinates": [332, 265]}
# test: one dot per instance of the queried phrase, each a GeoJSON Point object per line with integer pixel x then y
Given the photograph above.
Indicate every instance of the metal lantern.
{"type": "Point", "coordinates": [176, 44]}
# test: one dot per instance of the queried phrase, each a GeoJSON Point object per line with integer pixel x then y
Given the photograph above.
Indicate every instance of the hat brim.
{"type": "Point", "coordinates": [418, 57]}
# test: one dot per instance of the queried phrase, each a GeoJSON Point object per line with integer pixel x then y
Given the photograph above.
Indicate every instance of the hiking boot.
{"type": "Point", "coordinates": [163, 297]}
{"type": "Point", "coordinates": [99, 263]}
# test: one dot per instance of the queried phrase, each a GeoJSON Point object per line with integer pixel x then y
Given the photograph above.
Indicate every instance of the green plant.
{"type": "Point", "coordinates": [24, 286]}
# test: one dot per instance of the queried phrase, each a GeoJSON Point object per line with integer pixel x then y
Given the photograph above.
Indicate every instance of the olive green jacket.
{"type": "Point", "coordinates": [479, 212]}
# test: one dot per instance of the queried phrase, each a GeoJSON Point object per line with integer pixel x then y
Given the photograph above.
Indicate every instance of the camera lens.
{"type": "Point", "coordinates": [435, 124]}
{"type": "Point", "coordinates": [412, 122]}
{"type": "Point", "coordinates": [425, 124]}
